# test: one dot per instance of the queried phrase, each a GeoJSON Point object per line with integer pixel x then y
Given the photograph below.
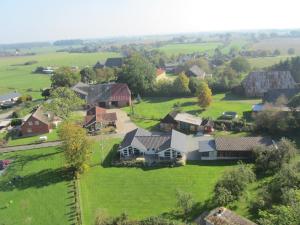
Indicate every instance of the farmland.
{"type": "Point", "coordinates": [156, 108]}
{"type": "Point", "coordinates": [174, 49]}
{"type": "Point", "coordinates": [14, 75]}
{"type": "Point", "coordinates": [34, 198]}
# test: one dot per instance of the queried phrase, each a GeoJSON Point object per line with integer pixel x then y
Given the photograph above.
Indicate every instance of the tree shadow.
{"type": "Point", "coordinates": [37, 180]}
{"type": "Point", "coordinates": [184, 104]}
{"type": "Point", "coordinates": [112, 154]}
{"type": "Point", "coordinates": [197, 111]}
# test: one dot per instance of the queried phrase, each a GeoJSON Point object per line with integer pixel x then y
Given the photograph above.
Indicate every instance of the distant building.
{"type": "Point", "coordinates": [258, 83]}
{"type": "Point", "coordinates": [40, 122]}
{"type": "Point", "coordinates": [160, 72]}
{"type": "Point", "coordinates": [9, 98]}
{"type": "Point", "coordinates": [114, 62]}
{"type": "Point", "coordinates": [224, 216]}
{"type": "Point", "coordinates": [98, 65]}
{"type": "Point", "coordinates": [104, 95]}
{"type": "Point", "coordinates": [196, 71]}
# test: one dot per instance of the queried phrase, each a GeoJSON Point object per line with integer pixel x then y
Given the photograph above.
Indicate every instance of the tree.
{"type": "Point", "coordinates": [63, 101]}
{"type": "Point", "coordinates": [292, 65]}
{"type": "Point", "coordinates": [24, 98]}
{"type": "Point", "coordinates": [204, 95]}
{"type": "Point", "coordinates": [271, 159]}
{"type": "Point", "coordinates": [46, 93]}
{"type": "Point", "coordinates": [139, 74]}
{"type": "Point", "coordinates": [240, 64]}
{"type": "Point", "coordinates": [105, 75]}
{"type": "Point", "coordinates": [194, 85]}
{"type": "Point", "coordinates": [88, 75]}
{"type": "Point", "coordinates": [276, 52]}
{"type": "Point", "coordinates": [75, 145]}
{"type": "Point", "coordinates": [64, 77]}
{"type": "Point", "coordinates": [233, 183]}
{"type": "Point", "coordinates": [16, 122]}
{"type": "Point", "coordinates": [291, 51]}
{"type": "Point", "coordinates": [294, 102]}
{"type": "Point", "coordinates": [181, 84]}
{"type": "Point", "coordinates": [185, 203]}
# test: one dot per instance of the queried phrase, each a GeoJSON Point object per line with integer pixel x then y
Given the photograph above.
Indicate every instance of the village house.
{"type": "Point", "coordinates": [142, 143]}
{"type": "Point", "coordinates": [9, 98]}
{"type": "Point", "coordinates": [221, 148]}
{"type": "Point", "coordinates": [224, 216]}
{"type": "Point", "coordinates": [104, 95]}
{"type": "Point", "coordinates": [196, 71]}
{"type": "Point", "coordinates": [185, 122]}
{"type": "Point", "coordinates": [256, 84]}
{"type": "Point", "coordinates": [39, 122]}
{"type": "Point", "coordinates": [98, 65]}
{"type": "Point", "coordinates": [117, 62]}
{"type": "Point", "coordinates": [276, 99]}
{"type": "Point", "coordinates": [97, 118]}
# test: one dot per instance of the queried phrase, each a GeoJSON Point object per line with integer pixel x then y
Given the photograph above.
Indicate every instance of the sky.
{"type": "Point", "coordinates": [48, 20]}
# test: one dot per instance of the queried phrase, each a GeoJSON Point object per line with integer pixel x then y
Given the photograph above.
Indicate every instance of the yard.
{"type": "Point", "coordinates": [154, 109]}
{"type": "Point", "coordinates": [52, 136]}
{"type": "Point", "coordinates": [143, 192]}
{"type": "Point", "coordinates": [41, 195]}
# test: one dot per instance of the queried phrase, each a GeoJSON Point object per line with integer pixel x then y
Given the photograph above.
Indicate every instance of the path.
{"type": "Point", "coordinates": [28, 147]}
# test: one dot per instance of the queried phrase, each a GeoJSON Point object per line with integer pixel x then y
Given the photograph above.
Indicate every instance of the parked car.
{"type": "Point", "coordinates": [228, 115]}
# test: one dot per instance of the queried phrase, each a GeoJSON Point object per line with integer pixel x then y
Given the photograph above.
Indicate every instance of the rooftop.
{"type": "Point", "coordinates": [9, 96]}
{"type": "Point", "coordinates": [223, 216]}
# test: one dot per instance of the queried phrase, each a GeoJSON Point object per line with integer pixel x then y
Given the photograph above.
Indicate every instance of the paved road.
{"type": "Point", "coordinates": [27, 147]}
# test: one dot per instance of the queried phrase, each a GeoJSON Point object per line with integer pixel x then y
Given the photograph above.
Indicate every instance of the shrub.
{"type": "Point", "coordinates": [16, 122]}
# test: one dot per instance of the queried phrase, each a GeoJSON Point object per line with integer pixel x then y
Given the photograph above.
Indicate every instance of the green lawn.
{"type": "Point", "coordinates": [175, 49]}
{"type": "Point", "coordinates": [142, 193]}
{"type": "Point", "coordinates": [157, 108]}
{"type": "Point", "coordinates": [41, 195]}
{"type": "Point", "coordinates": [19, 77]}
{"type": "Point", "coordinates": [262, 62]}
{"type": "Point", "coordinates": [52, 136]}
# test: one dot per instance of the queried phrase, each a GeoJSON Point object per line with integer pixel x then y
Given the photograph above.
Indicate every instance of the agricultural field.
{"type": "Point", "coordinates": [175, 49]}
{"type": "Point", "coordinates": [282, 44]}
{"type": "Point", "coordinates": [154, 109]}
{"type": "Point", "coordinates": [14, 75]}
{"type": "Point", "coordinates": [41, 195]}
{"type": "Point", "coordinates": [143, 192]}
{"type": "Point", "coordinates": [262, 62]}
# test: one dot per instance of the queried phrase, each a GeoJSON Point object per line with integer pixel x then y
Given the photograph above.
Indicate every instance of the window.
{"type": "Point", "coordinates": [29, 130]}
{"type": "Point", "coordinates": [37, 122]}
{"type": "Point", "coordinates": [205, 154]}
{"type": "Point", "coordinates": [30, 123]}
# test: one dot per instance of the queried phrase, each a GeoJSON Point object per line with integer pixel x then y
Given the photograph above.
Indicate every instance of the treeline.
{"type": "Point", "coordinates": [292, 65]}
{"type": "Point", "coordinates": [68, 42]}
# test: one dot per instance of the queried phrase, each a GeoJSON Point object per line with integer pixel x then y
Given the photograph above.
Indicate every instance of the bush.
{"type": "Point", "coordinates": [16, 122]}
{"type": "Point", "coordinates": [233, 183]}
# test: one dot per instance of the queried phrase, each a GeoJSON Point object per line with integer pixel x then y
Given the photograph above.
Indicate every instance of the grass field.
{"type": "Point", "coordinates": [15, 76]}
{"type": "Point", "coordinates": [41, 195]}
{"type": "Point", "coordinates": [156, 108]}
{"type": "Point", "coordinates": [140, 192]}
{"type": "Point", "coordinates": [52, 136]}
{"type": "Point", "coordinates": [175, 49]}
{"type": "Point", "coordinates": [262, 62]}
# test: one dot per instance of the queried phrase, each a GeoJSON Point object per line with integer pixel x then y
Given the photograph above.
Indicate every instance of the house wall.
{"type": "Point", "coordinates": [226, 155]}
{"type": "Point", "coordinates": [173, 153]}
{"type": "Point", "coordinates": [167, 126]}
{"type": "Point", "coordinates": [34, 127]}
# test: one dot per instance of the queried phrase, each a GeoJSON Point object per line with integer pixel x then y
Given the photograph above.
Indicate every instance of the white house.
{"type": "Point", "coordinates": [140, 142]}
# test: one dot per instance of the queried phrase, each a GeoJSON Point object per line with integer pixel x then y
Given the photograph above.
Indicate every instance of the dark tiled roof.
{"type": "Point", "coordinates": [223, 216]}
{"type": "Point", "coordinates": [272, 95]}
{"type": "Point", "coordinates": [9, 96]}
{"type": "Point", "coordinates": [98, 65]}
{"type": "Point", "coordinates": [129, 137]}
{"type": "Point", "coordinates": [108, 92]}
{"type": "Point", "coordinates": [81, 88]}
{"type": "Point", "coordinates": [155, 142]}
{"type": "Point", "coordinates": [169, 118]}
{"type": "Point", "coordinates": [241, 143]}
{"type": "Point", "coordinates": [114, 62]}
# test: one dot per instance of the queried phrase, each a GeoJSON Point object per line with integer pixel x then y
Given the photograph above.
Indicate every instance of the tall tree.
{"type": "Point", "coordinates": [105, 75]}
{"type": "Point", "coordinates": [63, 101]}
{"type": "Point", "coordinates": [181, 84]}
{"type": "Point", "coordinates": [64, 77]}
{"type": "Point", "coordinates": [139, 74]}
{"type": "Point", "coordinates": [204, 95]}
{"type": "Point", "coordinates": [75, 144]}
{"type": "Point", "coordinates": [88, 75]}
{"type": "Point", "coordinates": [240, 64]}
